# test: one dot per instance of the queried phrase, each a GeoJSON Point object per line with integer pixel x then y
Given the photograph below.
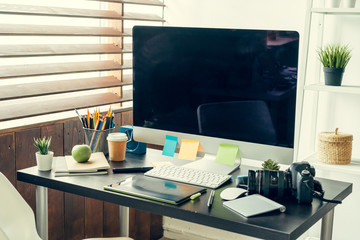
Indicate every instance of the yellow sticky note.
{"type": "Point", "coordinates": [188, 149]}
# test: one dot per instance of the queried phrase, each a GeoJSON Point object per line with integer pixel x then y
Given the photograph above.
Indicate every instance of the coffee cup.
{"type": "Point", "coordinates": [117, 146]}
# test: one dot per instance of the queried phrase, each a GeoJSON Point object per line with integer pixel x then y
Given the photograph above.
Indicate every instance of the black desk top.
{"type": "Point", "coordinates": [289, 225]}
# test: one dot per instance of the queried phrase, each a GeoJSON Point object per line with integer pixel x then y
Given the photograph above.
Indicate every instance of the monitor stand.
{"type": "Point", "coordinates": [207, 163]}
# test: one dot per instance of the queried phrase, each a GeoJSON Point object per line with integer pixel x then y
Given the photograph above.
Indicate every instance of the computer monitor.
{"type": "Point", "coordinates": [235, 86]}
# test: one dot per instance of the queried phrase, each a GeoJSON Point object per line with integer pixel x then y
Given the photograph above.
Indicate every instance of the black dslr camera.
{"type": "Point", "coordinates": [297, 181]}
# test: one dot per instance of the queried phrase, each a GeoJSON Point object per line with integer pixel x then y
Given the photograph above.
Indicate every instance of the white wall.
{"type": "Point", "coordinates": [282, 14]}
{"type": "Point", "coordinates": [277, 14]}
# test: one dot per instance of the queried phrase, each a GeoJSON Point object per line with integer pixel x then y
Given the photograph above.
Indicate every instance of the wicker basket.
{"type": "Point", "coordinates": [335, 147]}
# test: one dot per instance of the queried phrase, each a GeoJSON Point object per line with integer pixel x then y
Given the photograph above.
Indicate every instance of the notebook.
{"type": "Point", "coordinates": [96, 165]}
{"type": "Point", "coordinates": [253, 205]}
{"type": "Point", "coordinates": [156, 189]}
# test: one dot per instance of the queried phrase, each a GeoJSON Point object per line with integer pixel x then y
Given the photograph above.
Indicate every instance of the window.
{"type": "Point", "coordinates": [58, 55]}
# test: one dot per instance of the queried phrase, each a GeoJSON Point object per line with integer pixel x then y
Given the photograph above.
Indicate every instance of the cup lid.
{"type": "Point", "coordinates": [117, 137]}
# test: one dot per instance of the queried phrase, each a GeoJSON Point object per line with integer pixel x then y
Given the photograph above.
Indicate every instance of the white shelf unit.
{"type": "Point", "coordinates": [337, 11]}
{"type": "Point", "coordinates": [318, 87]}
{"type": "Point", "coordinates": [325, 88]}
{"type": "Point", "coordinates": [351, 168]}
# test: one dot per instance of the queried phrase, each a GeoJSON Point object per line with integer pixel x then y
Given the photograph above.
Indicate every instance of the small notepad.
{"type": "Point", "coordinates": [188, 149]}
{"type": "Point", "coordinates": [96, 162]}
{"type": "Point", "coordinates": [227, 154]}
{"type": "Point", "coordinates": [253, 205]}
{"type": "Point", "coordinates": [170, 145]}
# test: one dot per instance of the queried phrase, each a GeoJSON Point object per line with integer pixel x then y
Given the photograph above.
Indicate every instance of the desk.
{"type": "Point", "coordinates": [280, 226]}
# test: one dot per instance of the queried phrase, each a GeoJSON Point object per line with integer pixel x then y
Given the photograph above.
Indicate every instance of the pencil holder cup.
{"type": "Point", "coordinates": [96, 139]}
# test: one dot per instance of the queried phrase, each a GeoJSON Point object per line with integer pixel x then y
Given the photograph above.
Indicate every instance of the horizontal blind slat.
{"type": "Point", "coordinates": [140, 2]}
{"type": "Point", "coordinates": [61, 68]}
{"type": "Point", "coordinates": [61, 49]}
{"type": "Point", "coordinates": [71, 12]}
{"type": "Point", "coordinates": [46, 30]}
{"type": "Point", "coordinates": [31, 109]}
{"type": "Point", "coordinates": [61, 86]}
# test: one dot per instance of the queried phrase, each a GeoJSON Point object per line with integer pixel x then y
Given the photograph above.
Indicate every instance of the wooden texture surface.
{"type": "Point", "coordinates": [72, 12]}
{"type": "Point", "coordinates": [35, 108]}
{"type": "Point", "coordinates": [55, 198]}
{"type": "Point", "coordinates": [7, 156]}
{"type": "Point", "coordinates": [62, 86]}
{"type": "Point", "coordinates": [25, 157]}
{"type": "Point", "coordinates": [47, 30]}
{"type": "Point", "coordinates": [37, 50]}
{"type": "Point", "coordinates": [74, 205]}
{"type": "Point", "coordinates": [60, 68]}
{"type": "Point", "coordinates": [71, 217]}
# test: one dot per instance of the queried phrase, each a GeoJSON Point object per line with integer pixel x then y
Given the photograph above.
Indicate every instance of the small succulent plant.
{"type": "Point", "coordinates": [42, 145]}
{"type": "Point", "coordinates": [270, 165]}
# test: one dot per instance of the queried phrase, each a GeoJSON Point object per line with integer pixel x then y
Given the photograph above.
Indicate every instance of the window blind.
{"type": "Point", "coordinates": [56, 56]}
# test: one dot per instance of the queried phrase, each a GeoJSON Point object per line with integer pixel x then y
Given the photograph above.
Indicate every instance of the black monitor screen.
{"type": "Point", "coordinates": [227, 83]}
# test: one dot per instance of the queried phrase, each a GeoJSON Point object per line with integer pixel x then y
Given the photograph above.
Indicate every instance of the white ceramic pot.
{"type": "Point", "coordinates": [332, 3]}
{"type": "Point", "coordinates": [44, 162]}
{"type": "Point", "coordinates": [348, 3]}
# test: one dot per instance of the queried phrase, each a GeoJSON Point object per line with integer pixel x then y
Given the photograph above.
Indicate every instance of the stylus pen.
{"type": "Point", "coordinates": [211, 198]}
{"type": "Point", "coordinates": [131, 170]}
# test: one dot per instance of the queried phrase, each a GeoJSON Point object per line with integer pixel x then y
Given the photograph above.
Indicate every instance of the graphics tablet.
{"type": "Point", "coordinates": [155, 189]}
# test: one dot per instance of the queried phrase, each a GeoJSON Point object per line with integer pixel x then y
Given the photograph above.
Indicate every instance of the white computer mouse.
{"type": "Point", "coordinates": [232, 193]}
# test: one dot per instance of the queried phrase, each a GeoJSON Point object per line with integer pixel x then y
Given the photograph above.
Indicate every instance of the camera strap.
{"type": "Point", "coordinates": [320, 194]}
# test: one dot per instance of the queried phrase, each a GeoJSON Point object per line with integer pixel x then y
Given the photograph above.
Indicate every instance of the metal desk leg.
{"type": "Point", "coordinates": [327, 226]}
{"type": "Point", "coordinates": [124, 221]}
{"type": "Point", "coordinates": [42, 212]}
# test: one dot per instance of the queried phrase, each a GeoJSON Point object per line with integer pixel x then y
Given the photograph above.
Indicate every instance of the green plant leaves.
{"type": "Point", "coordinates": [270, 165]}
{"type": "Point", "coordinates": [334, 55]}
{"type": "Point", "coordinates": [42, 145]}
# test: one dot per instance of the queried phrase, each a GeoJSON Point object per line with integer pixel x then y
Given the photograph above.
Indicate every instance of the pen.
{"type": "Point", "coordinates": [195, 196]}
{"type": "Point", "coordinates": [131, 170]}
{"type": "Point", "coordinates": [211, 198]}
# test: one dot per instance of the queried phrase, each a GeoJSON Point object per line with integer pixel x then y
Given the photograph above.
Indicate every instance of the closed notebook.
{"type": "Point", "coordinates": [253, 205]}
{"type": "Point", "coordinates": [155, 189]}
{"type": "Point", "coordinates": [97, 164]}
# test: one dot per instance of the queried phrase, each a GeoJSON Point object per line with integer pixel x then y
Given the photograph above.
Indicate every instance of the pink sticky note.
{"type": "Point", "coordinates": [188, 149]}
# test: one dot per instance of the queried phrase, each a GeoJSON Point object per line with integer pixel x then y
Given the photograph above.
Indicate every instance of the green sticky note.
{"type": "Point", "coordinates": [227, 153]}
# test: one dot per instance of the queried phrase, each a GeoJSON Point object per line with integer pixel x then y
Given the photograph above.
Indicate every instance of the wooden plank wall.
{"type": "Point", "coordinates": [71, 217]}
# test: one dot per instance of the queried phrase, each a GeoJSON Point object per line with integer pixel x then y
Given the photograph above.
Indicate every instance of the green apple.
{"type": "Point", "coordinates": [81, 153]}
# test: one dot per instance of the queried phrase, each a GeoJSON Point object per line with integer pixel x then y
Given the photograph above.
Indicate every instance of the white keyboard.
{"type": "Point", "coordinates": [188, 175]}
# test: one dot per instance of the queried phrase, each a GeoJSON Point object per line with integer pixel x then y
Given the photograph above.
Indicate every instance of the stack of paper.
{"type": "Point", "coordinates": [67, 166]}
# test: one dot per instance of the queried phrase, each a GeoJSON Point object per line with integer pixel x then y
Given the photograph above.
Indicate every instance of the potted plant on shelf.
{"type": "Point", "coordinates": [334, 59]}
{"type": "Point", "coordinates": [44, 157]}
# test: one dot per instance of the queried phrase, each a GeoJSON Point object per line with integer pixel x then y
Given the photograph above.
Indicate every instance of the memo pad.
{"type": "Point", "coordinates": [188, 149]}
{"type": "Point", "coordinates": [227, 153]}
{"type": "Point", "coordinates": [170, 145]}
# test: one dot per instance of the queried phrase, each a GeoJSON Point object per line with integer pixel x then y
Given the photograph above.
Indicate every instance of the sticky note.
{"type": "Point", "coordinates": [188, 149]}
{"type": "Point", "coordinates": [170, 145]}
{"type": "Point", "coordinates": [156, 164]}
{"type": "Point", "coordinates": [227, 153]}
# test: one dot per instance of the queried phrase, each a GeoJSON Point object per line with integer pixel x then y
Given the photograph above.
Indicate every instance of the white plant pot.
{"type": "Point", "coordinates": [44, 162]}
{"type": "Point", "coordinates": [332, 3]}
{"type": "Point", "coordinates": [348, 3]}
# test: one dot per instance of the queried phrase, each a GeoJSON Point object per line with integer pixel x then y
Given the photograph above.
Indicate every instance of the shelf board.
{"type": "Point", "coordinates": [337, 89]}
{"type": "Point", "coordinates": [337, 11]}
{"type": "Point", "coordinates": [352, 168]}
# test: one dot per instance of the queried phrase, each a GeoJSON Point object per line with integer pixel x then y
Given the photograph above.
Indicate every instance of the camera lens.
{"type": "Point", "coordinates": [305, 173]}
